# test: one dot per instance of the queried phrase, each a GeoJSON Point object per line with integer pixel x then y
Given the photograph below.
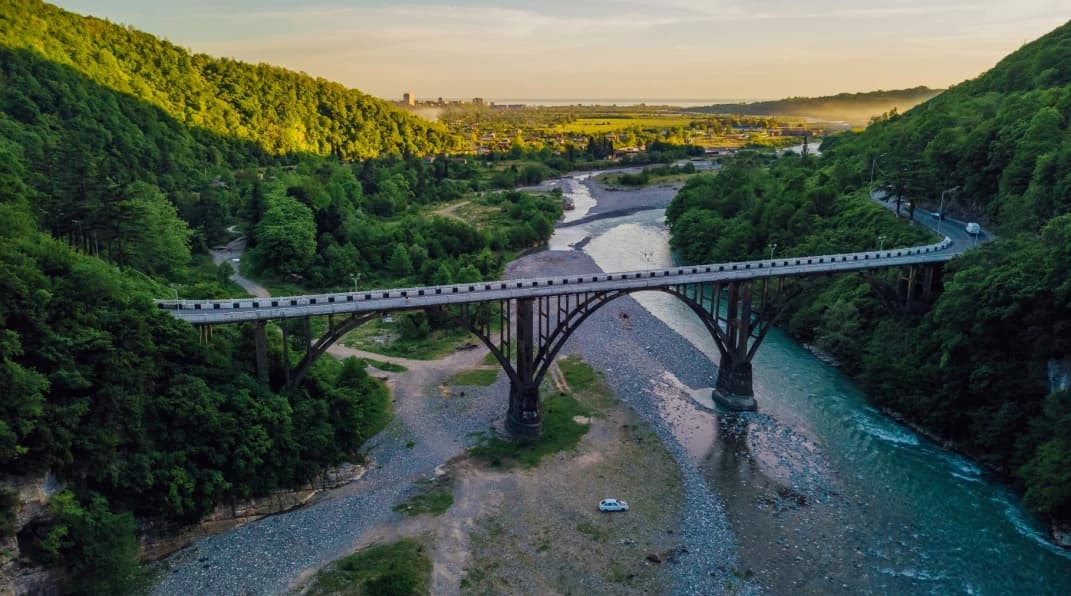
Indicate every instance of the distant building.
{"type": "Point", "coordinates": [477, 100]}
{"type": "Point", "coordinates": [791, 132]}
{"type": "Point", "coordinates": [409, 99]}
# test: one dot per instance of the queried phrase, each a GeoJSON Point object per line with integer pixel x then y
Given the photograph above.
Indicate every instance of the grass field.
{"type": "Point", "coordinates": [602, 124]}
{"type": "Point", "coordinates": [476, 377]}
{"type": "Point", "coordinates": [434, 498]}
{"type": "Point", "coordinates": [385, 366]}
{"type": "Point", "coordinates": [587, 395]}
{"type": "Point", "coordinates": [399, 568]}
{"type": "Point", "coordinates": [380, 337]}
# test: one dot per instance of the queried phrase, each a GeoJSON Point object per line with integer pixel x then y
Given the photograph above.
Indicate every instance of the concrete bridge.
{"type": "Point", "coordinates": [526, 322]}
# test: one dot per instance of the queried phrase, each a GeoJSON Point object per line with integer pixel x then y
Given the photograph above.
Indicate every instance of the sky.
{"type": "Point", "coordinates": [604, 49]}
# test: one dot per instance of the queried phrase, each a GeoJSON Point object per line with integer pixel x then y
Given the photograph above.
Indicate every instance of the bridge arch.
{"type": "Point", "coordinates": [544, 324]}
{"type": "Point", "coordinates": [565, 329]}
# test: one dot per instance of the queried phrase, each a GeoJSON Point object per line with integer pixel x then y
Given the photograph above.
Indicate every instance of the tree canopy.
{"type": "Point", "coordinates": [973, 366]}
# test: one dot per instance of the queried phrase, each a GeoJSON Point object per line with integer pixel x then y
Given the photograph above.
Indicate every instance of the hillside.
{"type": "Point", "coordinates": [972, 366]}
{"type": "Point", "coordinates": [279, 110]}
{"type": "Point", "coordinates": [854, 108]}
{"type": "Point", "coordinates": [123, 159]}
{"type": "Point", "coordinates": [1002, 137]}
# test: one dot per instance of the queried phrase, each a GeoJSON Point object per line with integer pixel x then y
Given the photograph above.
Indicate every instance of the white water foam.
{"type": "Point", "coordinates": [912, 573]}
{"type": "Point", "coordinates": [887, 433]}
{"type": "Point", "coordinates": [1023, 526]}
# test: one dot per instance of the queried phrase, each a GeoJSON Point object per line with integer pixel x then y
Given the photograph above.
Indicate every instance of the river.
{"type": "Point", "coordinates": [860, 503]}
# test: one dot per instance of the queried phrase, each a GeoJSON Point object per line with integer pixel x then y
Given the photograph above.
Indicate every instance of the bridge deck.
{"type": "Point", "coordinates": [202, 312]}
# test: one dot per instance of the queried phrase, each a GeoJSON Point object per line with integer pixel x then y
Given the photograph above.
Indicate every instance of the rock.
{"type": "Point", "coordinates": [654, 558]}
{"type": "Point", "coordinates": [1061, 535]}
{"type": "Point", "coordinates": [160, 540]}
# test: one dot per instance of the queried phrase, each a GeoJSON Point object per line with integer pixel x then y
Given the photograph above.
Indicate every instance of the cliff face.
{"type": "Point", "coordinates": [159, 542]}
{"type": "Point", "coordinates": [1059, 374]}
{"type": "Point", "coordinates": [32, 494]}
{"type": "Point", "coordinates": [19, 576]}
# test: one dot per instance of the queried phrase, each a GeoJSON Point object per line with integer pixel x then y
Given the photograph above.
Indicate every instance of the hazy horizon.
{"type": "Point", "coordinates": [693, 50]}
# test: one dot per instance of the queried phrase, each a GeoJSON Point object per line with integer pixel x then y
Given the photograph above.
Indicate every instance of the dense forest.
{"type": "Point", "coordinates": [123, 160]}
{"type": "Point", "coordinates": [283, 112]}
{"type": "Point", "coordinates": [856, 108]}
{"type": "Point", "coordinates": [972, 366]}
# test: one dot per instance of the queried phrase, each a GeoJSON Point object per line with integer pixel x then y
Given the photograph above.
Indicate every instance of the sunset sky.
{"type": "Point", "coordinates": [591, 49]}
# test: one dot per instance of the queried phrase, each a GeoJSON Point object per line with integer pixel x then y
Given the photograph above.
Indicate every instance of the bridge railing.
{"type": "Point", "coordinates": [558, 283]}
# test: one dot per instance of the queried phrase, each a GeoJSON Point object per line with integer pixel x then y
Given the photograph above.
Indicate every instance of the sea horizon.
{"type": "Point", "coordinates": [674, 102]}
{"type": "Point", "coordinates": [547, 102]}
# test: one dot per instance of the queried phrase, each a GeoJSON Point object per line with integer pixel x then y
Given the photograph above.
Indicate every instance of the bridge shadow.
{"type": "Point", "coordinates": [746, 470]}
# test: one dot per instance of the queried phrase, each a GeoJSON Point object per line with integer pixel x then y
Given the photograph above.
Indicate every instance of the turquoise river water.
{"type": "Point", "coordinates": [927, 520]}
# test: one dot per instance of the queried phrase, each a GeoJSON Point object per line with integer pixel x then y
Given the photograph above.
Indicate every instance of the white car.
{"type": "Point", "coordinates": [612, 505]}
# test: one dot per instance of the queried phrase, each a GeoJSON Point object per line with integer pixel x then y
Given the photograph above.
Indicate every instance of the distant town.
{"type": "Point", "coordinates": [626, 130]}
{"type": "Point", "coordinates": [410, 100]}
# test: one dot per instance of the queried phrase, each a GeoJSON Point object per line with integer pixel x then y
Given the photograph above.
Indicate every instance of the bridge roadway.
{"type": "Point", "coordinates": [208, 312]}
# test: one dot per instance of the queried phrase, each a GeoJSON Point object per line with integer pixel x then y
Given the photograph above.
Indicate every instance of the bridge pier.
{"type": "Point", "coordinates": [260, 340]}
{"type": "Point", "coordinates": [525, 414]}
{"type": "Point", "coordinates": [733, 389]}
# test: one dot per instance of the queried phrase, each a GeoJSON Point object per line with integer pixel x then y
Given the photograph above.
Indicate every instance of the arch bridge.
{"type": "Point", "coordinates": [526, 322]}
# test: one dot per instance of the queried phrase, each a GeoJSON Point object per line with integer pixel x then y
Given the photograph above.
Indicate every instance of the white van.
{"type": "Point", "coordinates": [973, 229]}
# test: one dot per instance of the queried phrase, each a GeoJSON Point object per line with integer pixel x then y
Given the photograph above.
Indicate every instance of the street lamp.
{"type": "Point", "coordinates": [941, 209]}
{"type": "Point", "coordinates": [881, 242]}
{"type": "Point", "coordinates": [355, 277]}
{"type": "Point", "coordinates": [772, 246]}
{"type": "Point", "coordinates": [873, 166]}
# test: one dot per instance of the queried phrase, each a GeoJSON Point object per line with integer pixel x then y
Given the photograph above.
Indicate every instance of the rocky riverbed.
{"type": "Point", "coordinates": [758, 502]}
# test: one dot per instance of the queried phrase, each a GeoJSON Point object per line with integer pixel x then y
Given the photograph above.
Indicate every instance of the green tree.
{"type": "Point", "coordinates": [286, 236]}
{"type": "Point", "coordinates": [399, 263]}
{"type": "Point", "coordinates": [99, 546]}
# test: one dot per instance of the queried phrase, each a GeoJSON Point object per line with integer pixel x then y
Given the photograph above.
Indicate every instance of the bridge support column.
{"type": "Point", "coordinates": [260, 339]}
{"type": "Point", "coordinates": [733, 389]}
{"type": "Point", "coordinates": [525, 415]}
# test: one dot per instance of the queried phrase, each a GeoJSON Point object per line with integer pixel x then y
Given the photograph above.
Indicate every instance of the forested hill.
{"type": "Point", "coordinates": [1002, 137]}
{"type": "Point", "coordinates": [972, 366]}
{"type": "Point", "coordinates": [280, 110]}
{"type": "Point", "coordinates": [856, 108]}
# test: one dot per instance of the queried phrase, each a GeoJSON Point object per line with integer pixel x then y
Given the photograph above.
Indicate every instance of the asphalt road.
{"type": "Point", "coordinates": [953, 228]}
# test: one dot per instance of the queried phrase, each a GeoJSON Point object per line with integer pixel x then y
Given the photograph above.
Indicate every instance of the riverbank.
{"type": "Point", "coordinates": [762, 499]}
{"type": "Point", "coordinates": [805, 496]}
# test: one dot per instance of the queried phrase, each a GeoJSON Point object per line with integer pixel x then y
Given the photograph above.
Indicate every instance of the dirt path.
{"type": "Point", "coordinates": [451, 211]}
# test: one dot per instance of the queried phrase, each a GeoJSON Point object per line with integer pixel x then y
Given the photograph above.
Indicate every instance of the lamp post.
{"type": "Point", "coordinates": [881, 242]}
{"type": "Point", "coordinates": [355, 277]}
{"type": "Point", "coordinates": [941, 208]}
{"type": "Point", "coordinates": [772, 246]}
{"type": "Point", "coordinates": [873, 166]}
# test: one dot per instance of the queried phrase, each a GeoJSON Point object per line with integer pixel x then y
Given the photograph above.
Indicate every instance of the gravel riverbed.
{"type": "Point", "coordinates": [271, 555]}
{"type": "Point", "coordinates": [632, 349]}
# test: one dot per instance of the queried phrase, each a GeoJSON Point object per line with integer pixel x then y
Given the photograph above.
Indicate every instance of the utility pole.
{"type": "Point", "coordinates": [941, 208]}
{"type": "Point", "coordinates": [873, 168]}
